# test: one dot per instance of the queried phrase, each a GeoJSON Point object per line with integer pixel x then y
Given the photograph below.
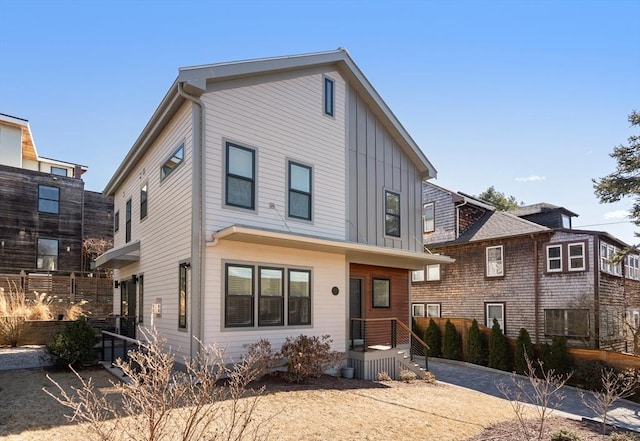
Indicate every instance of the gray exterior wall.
{"type": "Point", "coordinates": [444, 214]}
{"type": "Point", "coordinates": [375, 163]}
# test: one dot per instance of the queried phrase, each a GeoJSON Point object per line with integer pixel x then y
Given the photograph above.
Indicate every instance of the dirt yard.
{"type": "Point", "coordinates": [325, 409]}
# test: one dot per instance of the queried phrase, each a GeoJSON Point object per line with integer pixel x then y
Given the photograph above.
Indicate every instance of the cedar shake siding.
{"type": "Point", "coordinates": [469, 215]}
{"type": "Point", "coordinates": [444, 214]}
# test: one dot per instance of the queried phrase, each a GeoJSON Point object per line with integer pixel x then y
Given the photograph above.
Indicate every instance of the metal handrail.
{"type": "Point", "coordinates": [113, 337]}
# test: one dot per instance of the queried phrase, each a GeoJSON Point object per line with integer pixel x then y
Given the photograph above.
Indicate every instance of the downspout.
{"type": "Point", "coordinates": [197, 224]}
{"type": "Point", "coordinates": [536, 289]}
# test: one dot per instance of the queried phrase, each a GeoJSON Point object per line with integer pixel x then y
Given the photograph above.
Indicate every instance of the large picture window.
{"type": "Point", "coordinates": [240, 177]}
{"type": "Point", "coordinates": [428, 218]}
{"type": "Point", "coordinates": [566, 322]}
{"type": "Point", "coordinates": [381, 293]}
{"type": "Point", "coordinates": [47, 258]}
{"type": "Point", "coordinates": [495, 261]}
{"type": "Point", "coordinates": [271, 297]}
{"type": "Point", "coordinates": [48, 199]}
{"type": "Point", "coordinates": [300, 201]}
{"type": "Point", "coordinates": [391, 214]}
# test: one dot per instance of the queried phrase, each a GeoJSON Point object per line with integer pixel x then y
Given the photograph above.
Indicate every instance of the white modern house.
{"type": "Point", "coordinates": [269, 198]}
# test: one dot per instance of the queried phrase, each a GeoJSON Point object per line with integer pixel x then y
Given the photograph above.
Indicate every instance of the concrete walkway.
{"type": "Point", "coordinates": [623, 413]}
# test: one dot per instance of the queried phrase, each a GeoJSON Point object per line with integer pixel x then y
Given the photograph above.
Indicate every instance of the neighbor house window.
{"type": "Point", "coordinates": [183, 295]}
{"type": "Point", "coordinates": [48, 199]}
{"type": "Point", "coordinates": [240, 176]}
{"type": "Point", "coordinates": [392, 214]}
{"type": "Point", "coordinates": [299, 297]}
{"type": "Point", "coordinates": [59, 171]}
{"type": "Point", "coordinates": [417, 276]}
{"type": "Point", "coordinates": [300, 201]}
{"type": "Point", "coordinates": [381, 293]}
{"type": "Point", "coordinates": [566, 221]}
{"type": "Point", "coordinates": [428, 218]}
{"type": "Point", "coordinates": [433, 309]}
{"type": "Point", "coordinates": [172, 162]}
{"type": "Point", "coordinates": [127, 222]}
{"type": "Point", "coordinates": [116, 222]}
{"type": "Point", "coordinates": [554, 258]}
{"type": "Point", "coordinates": [632, 267]}
{"type": "Point", "coordinates": [433, 272]}
{"type": "Point", "coordinates": [239, 295]}
{"type": "Point", "coordinates": [417, 310]}
{"type": "Point", "coordinates": [495, 261]}
{"type": "Point", "coordinates": [607, 254]}
{"type": "Point", "coordinates": [495, 311]}
{"type": "Point", "coordinates": [47, 258]}
{"type": "Point", "coordinates": [576, 257]}
{"type": "Point", "coordinates": [271, 296]}
{"type": "Point", "coordinates": [329, 93]}
{"type": "Point", "coordinates": [143, 202]}
{"type": "Point", "coordinates": [566, 322]}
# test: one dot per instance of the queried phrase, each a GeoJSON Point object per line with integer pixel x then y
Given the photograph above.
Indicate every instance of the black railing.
{"type": "Point", "coordinates": [116, 346]}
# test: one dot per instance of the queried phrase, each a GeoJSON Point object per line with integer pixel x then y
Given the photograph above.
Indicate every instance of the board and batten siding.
{"type": "Point", "coordinates": [328, 311]}
{"type": "Point", "coordinates": [165, 233]}
{"type": "Point", "coordinates": [377, 163]}
{"type": "Point", "coordinates": [281, 117]}
{"type": "Point", "coordinates": [444, 214]}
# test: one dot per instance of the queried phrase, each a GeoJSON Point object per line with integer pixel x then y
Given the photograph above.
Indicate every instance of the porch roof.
{"type": "Point", "coordinates": [118, 257]}
{"type": "Point", "coordinates": [354, 252]}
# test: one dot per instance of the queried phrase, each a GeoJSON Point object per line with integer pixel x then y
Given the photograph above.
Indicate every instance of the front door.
{"type": "Point", "coordinates": [355, 308]}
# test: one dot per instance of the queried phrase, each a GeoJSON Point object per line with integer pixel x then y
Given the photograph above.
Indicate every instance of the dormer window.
{"type": "Point", "coordinates": [566, 221]}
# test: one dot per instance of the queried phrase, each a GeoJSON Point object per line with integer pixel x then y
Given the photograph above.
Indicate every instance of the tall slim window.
{"type": "Point", "coordinates": [495, 261]}
{"type": "Point", "coordinates": [299, 297]}
{"type": "Point", "coordinates": [47, 258]}
{"type": "Point", "coordinates": [240, 176]}
{"type": "Point", "coordinates": [172, 162]}
{"type": "Point", "coordinates": [328, 96]}
{"type": "Point", "coordinates": [48, 199]}
{"type": "Point", "coordinates": [428, 218]}
{"type": "Point", "coordinates": [141, 299]}
{"type": "Point", "coordinates": [143, 202]}
{"type": "Point", "coordinates": [299, 191]}
{"type": "Point", "coordinates": [392, 214]}
{"type": "Point", "coordinates": [127, 222]}
{"type": "Point", "coordinates": [182, 299]}
{"type": "Point", "coordinates": [239, 296]}
{"type": "Point", "coordinates": [271, 297]}
{"type": "Point", "coordinates": [116, 222]}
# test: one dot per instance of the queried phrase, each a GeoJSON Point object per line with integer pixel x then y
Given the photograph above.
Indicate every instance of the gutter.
{"type": "Point", "coordinates": [197, 224]}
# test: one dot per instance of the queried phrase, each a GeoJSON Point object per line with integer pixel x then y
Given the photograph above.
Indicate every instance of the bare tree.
{"type": "Point", "coordinates": [93, 247]}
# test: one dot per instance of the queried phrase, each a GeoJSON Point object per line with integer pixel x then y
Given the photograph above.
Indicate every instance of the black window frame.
{"type": "Point", "coordinates": [140, 298]}
{"type": "Point", "coordinates": [39, 254]}
{"type": "Point", "coordinates": [389, 215]}
{"type": "Point", "coordinates": [127, 222]}
{"type": "Point", "coordinates": [183, 292]}
{"type": "Point", "coordinates": [328, 96]}
{"type": "Point", "coordinates": [291, 300]}
{"type": "Point", "coordinates": [291, 191]}
{"type": "Point", "coordinates": [251, 296]}
{"type": "Point", "coordinates": [229, 176]}
{"type": "Point", "coordinates": [172, 162]}
{"type": "Point", "coordinates": [41, 198]}
{"type": "Point", "coordinates": [59, 171]}
{"type": "Point", "coordinates": [261, 321]}
{"type": "Point", "coordinates": [374, 304]}
{"type": "Point", "coordinates": [144, 198]}
{"type": "Point", "coordinates": [116, 221]}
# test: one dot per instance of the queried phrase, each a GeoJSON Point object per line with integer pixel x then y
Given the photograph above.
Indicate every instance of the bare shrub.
{"type": "Point", "coordinates": [429, 377]}
{"type": "Point", "coordinates": [309, 357]}
{"type": "Point", "coordinates": [263, 358]}
{"type": "Point", "coordinates": [384, 376]}
{"type": "Point", "coordinates": [13, 313]}
{"type": "Point", "coordinates": [407, 376]}
{"type": "Point", "coordinates": [210, 400]}
{"type": "Point", "coordinates": [544, 392]}
{"type": "Point", "coordinates": [614, 386]}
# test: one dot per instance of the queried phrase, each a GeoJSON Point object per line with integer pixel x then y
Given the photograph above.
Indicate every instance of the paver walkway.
{"type": "Point", "coordinates": [623, 413]}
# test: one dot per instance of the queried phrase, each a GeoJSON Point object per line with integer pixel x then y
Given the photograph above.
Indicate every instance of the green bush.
{"type": "Point", "coordinates": [498, 350]}
{"type": "Point", "coordinates": [309, 357]}
{"type": "Point", "coordinates": [565, 435]}
{"type": "Point", "coordinates": [589, 375]}
{"type": "Point", "coordinates": [451, 342]}
{"type": "Point", "coordinates": [433, 338]}
{"type": "Point", "coordinates": [73, 345]}
{"type": "Point", "coordinates": [556, 356]}
{"type": "Point", "coordinates": [524, 350]}
{"type": "Point", "coordinates": [475, 351]}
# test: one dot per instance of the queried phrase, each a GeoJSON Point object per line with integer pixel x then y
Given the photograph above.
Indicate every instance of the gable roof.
{"type": "Point", "coordinates": [500, 224]}
{"type": "Point", "coordinates": [541, 207]}
{"type": "Point", "coordinates": [196, 78]}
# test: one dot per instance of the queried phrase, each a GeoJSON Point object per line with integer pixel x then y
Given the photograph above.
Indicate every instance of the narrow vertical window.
{"type": "Point", "coordinates": [116, 222]}
{"type": "Point", "coordinates": [239, 296]}
{"type": "Point", "coordinates": [392, 214]}
{"type": "Point", "coordinates": [328, 96]}
{"type": "Point", "coordinates": [141, 299]}
{"type": "Point", "coordinates": [299, 297]}
{"type": "Point", "coordinates": [554, 258]}
{"type": "Point", "coordinates": [143, 202]}
{"type": "Point", "coordinates": [428, 218]}
{"type": "Point", "coordinates": [182, 299]}
{"type": "Point", "coordinates": [299, 191]}
{"type": "Point", "coordinates": [48, 199]}
{"type": "Point", "coordinates": [381, 293]}
{"type": "Point", "coordinates": [240, 177]}
{"type": "Point", "coordinates": [495, 261]}
{"type": "Point", "coordinates": [271, 295]}
{"type": "Point", "coordinates": [47, 258]}
{"type": "Point", "coordinates": [127, 222]}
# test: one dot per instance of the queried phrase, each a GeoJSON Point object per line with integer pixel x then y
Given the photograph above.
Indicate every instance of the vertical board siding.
{"type": "Point", "coordinates": [165, 234]}
{"type": "Point", "coordinates": [281, 117]}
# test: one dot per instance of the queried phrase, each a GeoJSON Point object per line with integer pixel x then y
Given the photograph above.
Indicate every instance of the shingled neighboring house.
{"type": "Point", "coordinates": [526, 268]}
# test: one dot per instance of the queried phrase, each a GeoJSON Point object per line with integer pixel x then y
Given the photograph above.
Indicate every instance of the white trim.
{"type": "Point", "coordinates": [581, 256]}
{"type": "Point", "coordinates": [417, 310]}
{"type": "Point", "coordinates": [433, 305]}
{"type": "Point", "coordinates": [548, 259]}
{"type": "Point", "coordinates": [494, 270]}
{"type": "Point", "coordinates": [489, 323]}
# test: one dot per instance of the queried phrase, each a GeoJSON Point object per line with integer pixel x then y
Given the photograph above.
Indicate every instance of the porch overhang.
{"type": "Point", "coordinates": [118, 257]}
{"type": "Point", "coordinates": [354, 252]}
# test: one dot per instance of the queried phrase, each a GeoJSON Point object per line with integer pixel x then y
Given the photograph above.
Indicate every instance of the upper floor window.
{"type": "Point", "coordinates": [48, 199]}
{"type": "Point", "coordinates": [143, 202]}
{"type": "Point", "coordinates": [328, 96]}
{"type": "Point", "coordinates": [127, 222]}
{"type": "Point", "coordinates": [607, 253]}
{"type": "Point", "coordinates": [495, 261]}
{"type": "Point", "coordinates": [392, 214]}
{"type": "Point", "coordinates": [632, 267]}
{"type": "Point", "coordinates": [433, 272]}
{"type": "Point", "coordinates": [172, 162]}
{"type": "Point", "coordinates": [240, 176]}
{"type": "Point", "coordinates": [566, 221]}
{"type": "Point", "coordinates": [116, 222]}
{"type": "Point", "coordinates": [381, 293]}
{"type": "Point", "coordinates": [554, 258]}
{"type": "Point", "coordinates": [428, 218]}
{"type": "Point", "coordinates": [59, 171]}
{"type": "Point", "coordinates": [576, 257]}
{"type": "Point", "coordinates": [300, 201]}
{"type": "Point", "coordinates": [47, 258]}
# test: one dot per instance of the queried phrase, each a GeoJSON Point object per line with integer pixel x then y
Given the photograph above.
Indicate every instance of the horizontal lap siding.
{"type": "Point", "coordinates": [328, 311]}
{"type": "Point", "coordinates": [165, 234]}
{"type": "Point", "coordinates": [281, 118]}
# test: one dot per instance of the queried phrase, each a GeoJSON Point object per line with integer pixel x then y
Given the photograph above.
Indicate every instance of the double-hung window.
{"type": "Point", "coordinates": [127, 222]}
{"type": "Point", "coordinates": [428, 218]}
{"type": "Point", "coordinates": [47, 258]}
{"type": "Point", "coordinates": [391, 214]}
{"type": "Point", "coordinates": [240, 182]}
{"type": "Point", "coordinates": [554, 258]}
{"type": "Point", "coordinates": [300, 201]}
{"type": "Point", "coordinates": [328, 98]}
{"type": "Point", "coordinates": [239, 295]}
{"type": "Point", "coordinates": [495, 261]}
{"type": "Point", "coordinates": [271, 296]}
{"type": "Point", "coordinates": [576, 256]}
{"type": "Point", "coordinates": [299, 297]}
{"type": "Point", "coordinates": [48, 199]}
{"type": "Point", "coordinates": [143, 202]}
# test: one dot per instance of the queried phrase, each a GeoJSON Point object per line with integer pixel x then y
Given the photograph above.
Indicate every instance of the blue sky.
{"type": "Point", "coordinates": [530, 97]}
